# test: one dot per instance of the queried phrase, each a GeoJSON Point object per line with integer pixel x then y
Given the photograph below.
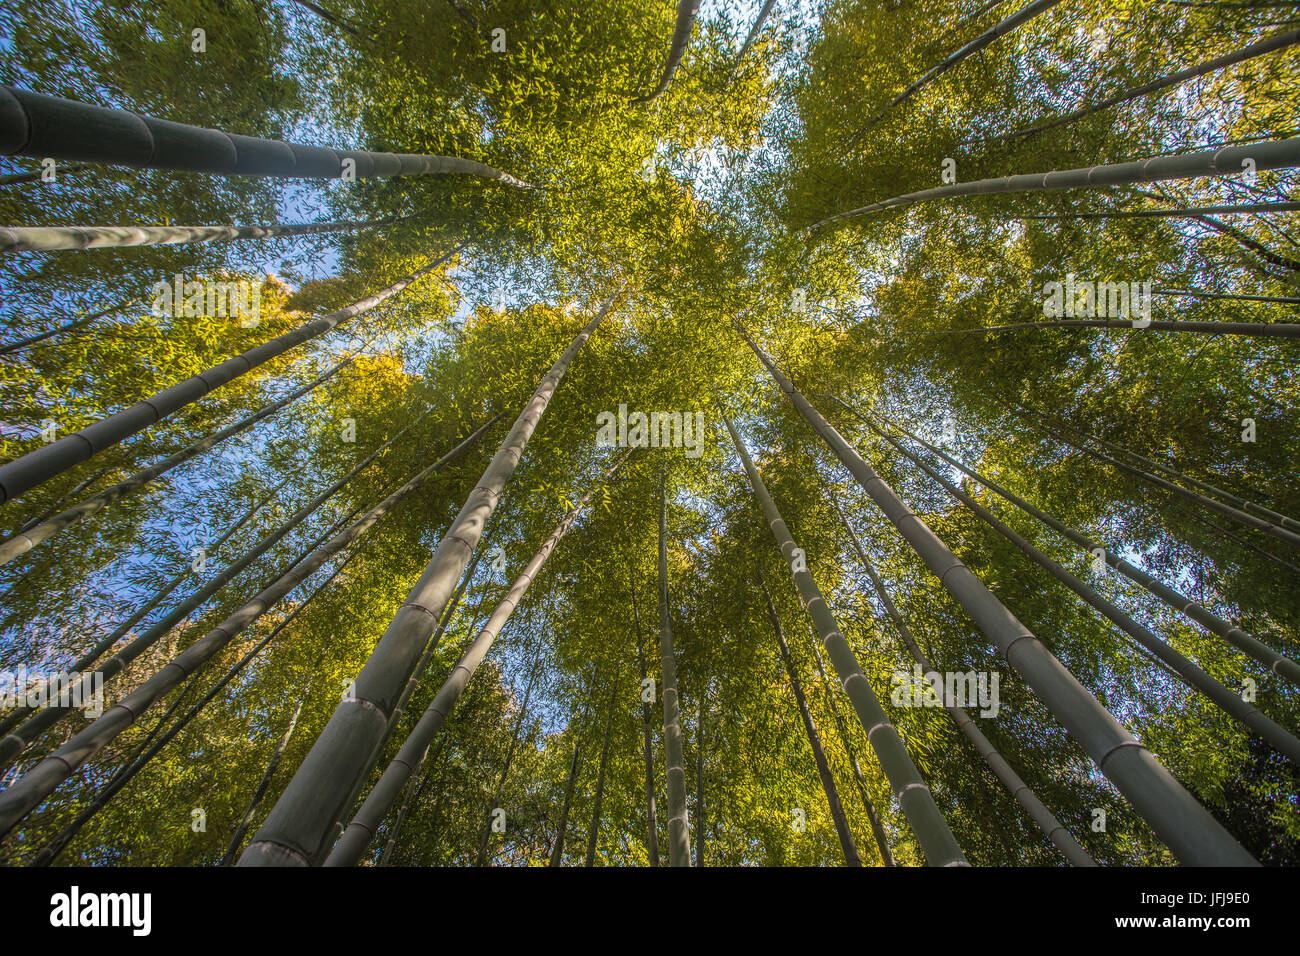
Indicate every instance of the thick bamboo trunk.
{"type": "Point", "coordinates": [150, 750]}
{"type": "Point", "coordinates": [39, 466]}
{"type": "Point", "coordinates": [679, 840]}
{"type": "Point", "coordinates": [841, 822]}
{"type": "Point", "coordinates": [302, 824]}
{"type": "Point", "coordinates": [877, 828]}
{"type": "Point", "coordinates": [1247, 643]}
{"type": "Point", "coordinates": [29, 538]}
{"type": "Point", "coordinates": [15, 742]}
{"type": "Point", "coordinates": [1272, 154]}
{"type": "Point", "coordinates": [647, 735]}
{"type": "Point", "coordinates": [914, 797]}
{"type": "Point", "coordinates": [1061, 837]}
{"type": "Point", "coordinates": [33, 124]}
{"type": "Point", "coordinates": [1190, 831]}
{"type": "Point", "coordinates": [50, 238]}
{"type": "Point", "coordinates": [593, 831]}
{"type": "Point", "coordinates": [1193, 676]}
{"type": "Point", "coordinates": [358, 834]}
{"type": "Point", "coordinates": [686, 10]}
{"type": "Point", "coordinates": [42, 779]}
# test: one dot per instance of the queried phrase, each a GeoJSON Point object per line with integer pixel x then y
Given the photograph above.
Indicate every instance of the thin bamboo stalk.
{"type": "Point", "coordinates": [39, 466]}
{"type": "Point", "coordinates": [652, 818]}
{"type": "Point", "coordinates": [679, 840]}
{"type": "Point", "coordinates": [51, 238]}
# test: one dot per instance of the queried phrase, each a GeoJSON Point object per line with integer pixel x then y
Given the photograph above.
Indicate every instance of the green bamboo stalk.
{"type": "Point", "coordinates": [47, 854]}
{"type": "Point", "coordinates": [1060, 837]}
{"type": "Point", "coordinates": [911, 791]}
{"type": "Point", "coordinates": [1189, 213]}
{"type": "Point", "coordinates": [970, 49]}
{"type": "Point", "coordinates": [29, 538]}
{"type": "Point", "coordinates": [303, 822]}
{"type": "Point", "coordinates": [39, 782]}
{"type": "Point", "coordinates": [1188, 828]}
{"type": "Point", "coordinates": [413, 792]}
{"type": "Point", "coordinates": [33, 124]}
{"type": "Point", "coordinates": [1285, 330]}
{"type": "Point", "coordinates": [1271, 154]}
{"type": "Point", "coordinates": [841, 822]}
{"type": "Point", "coordinates": [1193, 676]}
{"type": "Point", "coordinates": [557, 849]}
{"type": "Point", "coordinates": [17, 741]}
{"type": "Point", "coordinates": [486, 834]}
{"type": "Point", "coordinates": [1243, 641]}
{"type": "Point", "coordinates": [39, 466]}
{"type": "Point", "coordinates": [686, 10]}
{"type": "Point", "coordinates": [363, 827]}
{"type": "Point", "coordinates": [85, 320]}
{"type": "Point", "coordinates": [15, 717]}
{"type": "Point", "coordinates": [1271, 44]}
{"type": "Point", "coordinates": [679, 840]}
{"type": "Point", "coordinates": [699, 783]}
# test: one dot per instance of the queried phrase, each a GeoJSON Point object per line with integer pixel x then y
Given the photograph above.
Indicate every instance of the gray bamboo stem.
{"type": "Point", "coordinates": [679, 840]}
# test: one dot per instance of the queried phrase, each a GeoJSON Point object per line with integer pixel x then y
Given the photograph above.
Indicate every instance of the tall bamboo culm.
{"type": "Point", "coordinates": [913, 795]}
{"type": "Point", "coordinates": [305, 820]}
{"type": "Point", "coordinates": [679, 839]}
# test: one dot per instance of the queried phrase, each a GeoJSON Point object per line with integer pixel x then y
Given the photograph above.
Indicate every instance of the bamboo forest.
{"type": "Point", "coordinates": [716, 433]}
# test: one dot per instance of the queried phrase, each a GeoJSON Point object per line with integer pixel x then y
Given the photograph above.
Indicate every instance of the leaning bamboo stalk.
{"type": "Point", "coordinates": [51, 238]}
{"type": "Point", "coordinates": [41, 780]}
{"type": "Point", "coordinates": [686, 10]}
{"type": "Point", "coordinates": [1283, 330]}
{"type": "Point", "coordinates": [911, 791]}
{"type": "Point", "coordinates": [1187, 827]}
{"type": "Point", "coordinates": [561, 829]}
{"type": "Point", "coordinates": [1278, 41]}
{"type": "Point", "coordinates": [841, 822]}
{"type": "Point", "coordinates": [1278, 299]}
{"type": "Point", "coordinates": [17, 741]}
{"type": "Point", "coordinates": [1272, 154]}
{"type": "Point", "coordinates": [151, 750]}
{"type": "Point", "coordinates": [57, 506]}
{"type": "Point", "coordinates": [44, 463]}
{"type": "Point", "coordinates": [1189, 213]}
{"type": "Point", "coordinates": [413, 791]}
{"type": "Point", "coordinates": [27, 539]}
{"type": "Point", "coordinates": [970, 49]}
{"type": "Point", "coordinates": [1193, 676]}
{"type": "Point", "coordinates": [66, 327]}
{"type": "Point", "coordinates": [1056, 832]}
{"type": "Point", "coordinates": [679, 839]}
{"type": "Point", "coordinates": [1229, 497]}
{"type": "Point", "coordinates": [363, 827]}
{"type": "Point", "coordinates": [1240, 639]}
{"type": "Point", "coordinates": [303, 821]}
{"type": "Point", "coordinates": [33, 124]}
{"type": "Point", "coordinates": [1209, 504]}
{"type": "Point", "coordinates": [89, 657]}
